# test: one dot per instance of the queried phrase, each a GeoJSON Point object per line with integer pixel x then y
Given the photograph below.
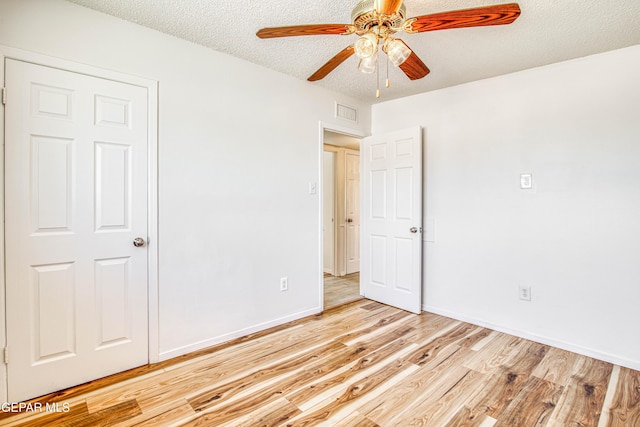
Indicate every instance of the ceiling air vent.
{"type": "Point", "coordinates": [346, 112]}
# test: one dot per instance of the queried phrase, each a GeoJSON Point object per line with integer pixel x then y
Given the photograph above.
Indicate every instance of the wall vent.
{"type": "Point", "coordinates": [346, 112]}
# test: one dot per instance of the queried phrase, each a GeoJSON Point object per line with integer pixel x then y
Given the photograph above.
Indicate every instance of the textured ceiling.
{"type": "Point", "coordinates": [547, 31]}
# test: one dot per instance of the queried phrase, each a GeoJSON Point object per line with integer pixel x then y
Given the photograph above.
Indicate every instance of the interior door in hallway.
{"type": "Point", "coordinates": [352, 203]}
{"type": "Point", "coordinates": [328, 214]}
{"type": "Point", "coordinates": [76, 200]}
{"type": "Point", "coordinates": [392, 219]}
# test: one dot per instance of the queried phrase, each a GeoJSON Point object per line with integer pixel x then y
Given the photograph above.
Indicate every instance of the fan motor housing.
{"type": "Point", "coordinates": [364, 16]}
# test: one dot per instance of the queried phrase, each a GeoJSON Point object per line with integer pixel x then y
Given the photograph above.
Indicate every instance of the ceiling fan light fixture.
{"type": "Point", "coordinates": [366, 46]}
{"type": "Point", "coordinates": [397, 51]}
{"type": "Point", "coordinates": [368, 65]}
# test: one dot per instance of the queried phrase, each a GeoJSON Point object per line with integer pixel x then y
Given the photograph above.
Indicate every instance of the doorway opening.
{"type": "Point", "coordinates": [341, 218]}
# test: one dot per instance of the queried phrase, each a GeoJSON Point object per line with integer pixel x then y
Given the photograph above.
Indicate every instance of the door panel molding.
{"type": "Point", "coordinates": [152, 187]}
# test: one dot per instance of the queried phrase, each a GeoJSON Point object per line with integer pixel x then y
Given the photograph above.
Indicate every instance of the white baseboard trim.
{"type": "Point", "coordinates": [606, 357]}
{"type": "Point", "coordinates": [169, 354]}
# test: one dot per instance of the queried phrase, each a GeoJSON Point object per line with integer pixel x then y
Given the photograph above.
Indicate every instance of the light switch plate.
{"type": "Point", "coordinates": [526, 181]}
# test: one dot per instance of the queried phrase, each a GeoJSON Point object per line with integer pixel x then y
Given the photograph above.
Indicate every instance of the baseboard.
{"type": "Point", "coordinates": [606, 357]}
{"type": "Point", "coordinates": [169, 354]}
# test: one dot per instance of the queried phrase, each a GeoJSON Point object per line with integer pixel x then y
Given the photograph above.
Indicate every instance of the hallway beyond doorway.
{"type": "Point", "coordinates": [339, 290]}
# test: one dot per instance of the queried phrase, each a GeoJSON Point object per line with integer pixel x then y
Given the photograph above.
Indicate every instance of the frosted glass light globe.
{"type": "Point", "coordinates": [366, 45]}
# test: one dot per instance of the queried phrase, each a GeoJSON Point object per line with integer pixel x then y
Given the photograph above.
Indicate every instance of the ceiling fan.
{"type": "Point", "coordinates": [376, 21]}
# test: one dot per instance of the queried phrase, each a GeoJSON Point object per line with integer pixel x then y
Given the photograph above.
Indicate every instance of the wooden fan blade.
{"type": "Point", "coordinates": [332, 64]}
{"type": "Point", "coordinates": [305, 30]}
{"type": "Point", "coordinates": [388, 7]}
{"type": "Point", "coordinates": [413, 66]}
{"type": "Point", "coordinates": [491, 15]}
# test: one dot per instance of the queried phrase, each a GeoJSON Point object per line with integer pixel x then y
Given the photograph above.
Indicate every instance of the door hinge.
{"type": "Point", "coordinates": [6, 355]}
{"type": "Point", "coordinates": [4, 96]}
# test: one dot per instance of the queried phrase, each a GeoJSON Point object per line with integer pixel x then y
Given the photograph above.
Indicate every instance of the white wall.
{"type": "Point", "coordinates": [238, 145]}
{"type": "Point", "coordinates": [574, 238]}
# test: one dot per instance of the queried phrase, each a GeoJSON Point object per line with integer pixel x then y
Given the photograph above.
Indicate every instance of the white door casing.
{"type": "Point", "coordinates": [352, 204]}
{"type": "Point", "coordinates": [76, 197]}
{"type": "Point", "coordinates": [392, 219]}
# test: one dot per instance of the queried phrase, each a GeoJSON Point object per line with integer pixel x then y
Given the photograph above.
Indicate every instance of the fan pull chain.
{"type": "Point", "coordinates": [387, 82]}
{"type": "Point", "coordinates": [378, 77]}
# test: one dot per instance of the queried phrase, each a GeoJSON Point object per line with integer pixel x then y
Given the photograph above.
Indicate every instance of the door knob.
{"type": "Point", "coordinates": [413, 229]}
{"type": "Point", "coordinates": [138, 242]}
{"type": "Point", "coordinates": [349, 220]}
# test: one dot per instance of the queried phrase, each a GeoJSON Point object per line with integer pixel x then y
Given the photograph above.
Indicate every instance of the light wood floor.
{"type": "Point", "coordinates": [338, 290]}
{"type": "Point", "coordinates": [361, 364]}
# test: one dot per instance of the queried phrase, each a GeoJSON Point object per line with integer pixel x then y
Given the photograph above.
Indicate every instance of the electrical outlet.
{"type": "Point", "coordinates": [525, 293]}
{"type": "Point", "coordinates": [284, 284]}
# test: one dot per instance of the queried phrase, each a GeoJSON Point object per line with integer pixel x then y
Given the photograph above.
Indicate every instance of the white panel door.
{"type": "Point", "coordinates": [392, 219]}
{"type": "Point", "coordinates": [352, 203]}
{"type": "Point", "coordinates": [328, 212]}
{"type": "Point", "coordinates": [75, 198]}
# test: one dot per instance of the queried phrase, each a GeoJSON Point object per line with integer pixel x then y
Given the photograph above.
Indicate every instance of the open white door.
{"type": "Point", "coordinates": [391, 254]}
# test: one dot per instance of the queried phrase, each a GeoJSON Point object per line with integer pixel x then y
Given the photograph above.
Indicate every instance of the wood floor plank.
{"type": "Point", "coordinates": [372, 305]}
{"type": "Point", "coordinates": [557, 366]}
{"type": "Point", "coordinates": [499, 351]}
{"type": "Point", "coordinates": [105, 417]}
{"type": "Point", "coordinates": [224, 391]}
{"type": "Point", "coordinates": [274, 413]}
{"type": "Point", "coordinates": [476, 337]}
{"type": "Point", "coordinates": [352, 391]}
{"type": "Point", "coordinates": [533, 405]}
{"type": "Point", "coordinates": [584, 394]}
{"type": "Point", "coordinates": [430, 350]}
{"type": "Point", "coordinates": [624, 407]}
{"type": "Point", "coordinates": [259, 396]}
{"type": "Point", "coordinates": [361, 364]}
{"type": "Point", "coordinates": [385, 348]}
{"type": "Point", "coordinates": [505, 381]}
{"type": "Point", "coordinates": [377, 347]}
{"type": "Point", "coordinates": [428, 326]}
{"type": "Point", "coordinates": [380, 390]}
{"type": "Point", "coordinates": [162, 415]}
{"type": "Point", "coordinates": [358, 334]}
{"type": "Point", "coordinates": [442, 402]}
{"type": "Point", "coordinates": [483, 342]}
{"type": "Point", "coordinates": [356, 419]}
{"type": "Point", "coordinates": [466, 418]}
{"type": "Point", "coordinates": [216, 368]}
{"type": "Point", "coordinates": [414, 388]}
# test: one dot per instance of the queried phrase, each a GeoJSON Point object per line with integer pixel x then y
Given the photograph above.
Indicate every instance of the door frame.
{"type": "Point", "coordinates": [335, 128]}
{"type": "Point", "coordinates": [152, 189]}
